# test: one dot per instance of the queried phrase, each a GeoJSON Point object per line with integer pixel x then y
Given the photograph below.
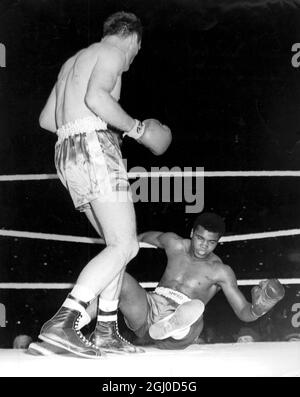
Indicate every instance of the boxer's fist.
{"type": "Point", "coordinates": [266, 295]}
{"type": "Point", "coordinates": [152, 134]}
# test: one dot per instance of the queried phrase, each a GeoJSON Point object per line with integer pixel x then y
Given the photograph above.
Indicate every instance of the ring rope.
{"type": "Point", "coordinates": [94, 240]}
{"type": "Point", "coordinates": [150, 284]}
{"type": "Point", "coordinates": [133, 175]}
{"type": "Point", "coordinates": [12, 233]}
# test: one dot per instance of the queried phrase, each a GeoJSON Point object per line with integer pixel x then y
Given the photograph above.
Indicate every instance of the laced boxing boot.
{"type": "Point", "coordinates": [177, 324]}
{"type": "Point", "coordinates": [62, 330]}
{"type": "Point", "coordinates": [106, 337]}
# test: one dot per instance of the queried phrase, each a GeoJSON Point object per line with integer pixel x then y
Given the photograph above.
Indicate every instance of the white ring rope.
{"type": "Point", "coordinates": [92, 240]}
{"type": "Point", "coordinates": [132, 175]}
{"type": "Point", "coordinates": [56, 237]}
{"type": "Point", "coordinates": [150, 284]}
{"type": "Point", "coordinates": [255, 236]}
{"type": "Point", "coordinates": [29, 177]}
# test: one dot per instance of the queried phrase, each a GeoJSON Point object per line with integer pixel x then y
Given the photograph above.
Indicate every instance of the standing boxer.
{"type": "Point", "coordinates": [81, 108]}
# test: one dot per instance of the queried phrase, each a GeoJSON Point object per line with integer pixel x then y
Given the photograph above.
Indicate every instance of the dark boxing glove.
{"type": "Point", "coordinates": [265, 296]}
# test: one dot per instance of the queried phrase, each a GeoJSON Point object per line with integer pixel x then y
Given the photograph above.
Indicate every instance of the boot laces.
{"type": "Point", "coordinates": [80, 334]}
{"type": "Point", "coordinates": [121, 337]}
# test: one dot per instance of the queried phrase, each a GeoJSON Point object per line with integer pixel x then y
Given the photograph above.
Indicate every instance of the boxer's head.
{"type": "Point", "coordinates": [247, 334]}
{"type": "Point", "coordinates": [123, 24]}
{"type": "Point", "coordinates": [208, 228]}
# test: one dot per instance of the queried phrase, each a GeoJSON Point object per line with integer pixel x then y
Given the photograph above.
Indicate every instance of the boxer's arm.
{"type": "Point", "coordinates": [159, 239]}
{"type": "Point", "coordinates": [236, 299]}
{"type": "Point", "coordinates": [47, 116]}
{"type": "Point", "coordinates": [98, 98]}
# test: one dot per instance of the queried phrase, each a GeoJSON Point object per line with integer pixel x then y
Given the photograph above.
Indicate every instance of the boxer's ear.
{"type": "Point", "coordinates": [133, 39]}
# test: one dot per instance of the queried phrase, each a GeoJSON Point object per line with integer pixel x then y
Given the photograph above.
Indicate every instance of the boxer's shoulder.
{"type": "Point", "coordinates": [171, 241]}
{"type": "Point", "coordinates": [216, 262]}
{"type": "Point", "coordinates": [223, 273]}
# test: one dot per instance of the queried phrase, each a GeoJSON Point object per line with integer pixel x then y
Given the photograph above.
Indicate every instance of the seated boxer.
{"type": "Point", "coordinates": [171, 316]}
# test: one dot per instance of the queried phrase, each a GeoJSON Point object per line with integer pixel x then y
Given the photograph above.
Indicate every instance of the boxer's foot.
{"type": "Point", "coordinates": [62, 331]}
{"type": "Point", "coordinates": [178, 323]}
{"type": "Point", "coordinates": [106, 337]}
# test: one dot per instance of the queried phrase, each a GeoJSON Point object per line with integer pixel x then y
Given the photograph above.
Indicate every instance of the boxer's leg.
{"type": "Point", "coordinates": [46, 349]}
{"type": "Point", "coordinates": [177, 325]}
{"type": "Point", "coordinates": [179, 344]}
{"type": "Point", "coordinates": [133, 304]}
{"type": "Point", "coordinates": [117, 219]}
{"type": "Point", "coordinates": [106, 335]}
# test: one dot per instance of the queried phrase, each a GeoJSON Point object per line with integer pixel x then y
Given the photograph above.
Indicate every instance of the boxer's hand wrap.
{"type": "Point", "coordinates": [265, 296]}
{"type": "Point", "coordinates": [136, 131]}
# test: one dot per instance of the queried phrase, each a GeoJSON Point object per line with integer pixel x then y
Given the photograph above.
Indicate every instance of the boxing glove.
{"type": "Point", "coordinates": [265, 296]}
{"type": "Point", "coordinates": [151, 134]}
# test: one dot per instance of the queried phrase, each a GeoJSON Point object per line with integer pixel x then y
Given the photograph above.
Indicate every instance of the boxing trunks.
{"type": "Point", "coordinates": [161, 303]}
{"type": "Point", "coordinates": [88, 161]}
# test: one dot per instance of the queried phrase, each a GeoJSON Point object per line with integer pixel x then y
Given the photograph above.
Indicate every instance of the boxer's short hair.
{"type": "Point", "coordinates": [124, 24]}
{"type": "Point", "coordinates": [211, 222]}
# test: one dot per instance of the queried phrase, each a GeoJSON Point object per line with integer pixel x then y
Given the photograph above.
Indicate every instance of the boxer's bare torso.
{"type": "Point", "coordinates": [194, 269]}
{"type": "Point", "coordinates": [72, 84]}
{"type": "Point", "coordinates": [89, 83]}
{"type": "Point", "coordinates": [194, 277]}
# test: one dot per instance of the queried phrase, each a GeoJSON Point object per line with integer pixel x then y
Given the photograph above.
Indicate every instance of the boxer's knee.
{"type": "Point", "coordinates": [134, 248]}
{"type": "Point", "coordinates": [130, 248]}
{"type": "Point", "coordinates": [127, 248]}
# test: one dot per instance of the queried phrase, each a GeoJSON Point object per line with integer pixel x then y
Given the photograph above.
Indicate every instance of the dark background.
{"type": "Point", "coordinates": [219, 73]}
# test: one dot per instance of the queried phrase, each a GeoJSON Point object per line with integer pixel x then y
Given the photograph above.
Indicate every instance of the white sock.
{"type": "Point", "coordinates": [82, 293]}
{"type": "Point", "coordinates": [107, 310]}
{"type": "Point", "coordinates": [72, 304]}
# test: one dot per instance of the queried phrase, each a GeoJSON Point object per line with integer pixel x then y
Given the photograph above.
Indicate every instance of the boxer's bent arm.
{"type": "Point", "coordinates": [98, 98]}
{"type": "Point", "coordinates": [236, 299]}
{"type": "Point", "coordinates": [150, 238]}
{"type": "Point", "coordinates": [47, 116]}
{"type": "Point", "coordinates": [159, 239]}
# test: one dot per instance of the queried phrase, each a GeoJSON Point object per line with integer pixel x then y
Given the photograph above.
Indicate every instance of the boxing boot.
{"type": "Point", "coordinates": [62, 331]}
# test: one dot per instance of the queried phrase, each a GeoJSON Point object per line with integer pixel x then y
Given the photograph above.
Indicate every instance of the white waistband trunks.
{"type": "Point", "coordinates": [176, 296]}
{"type": "Point", "coordinates": [86, 124]}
